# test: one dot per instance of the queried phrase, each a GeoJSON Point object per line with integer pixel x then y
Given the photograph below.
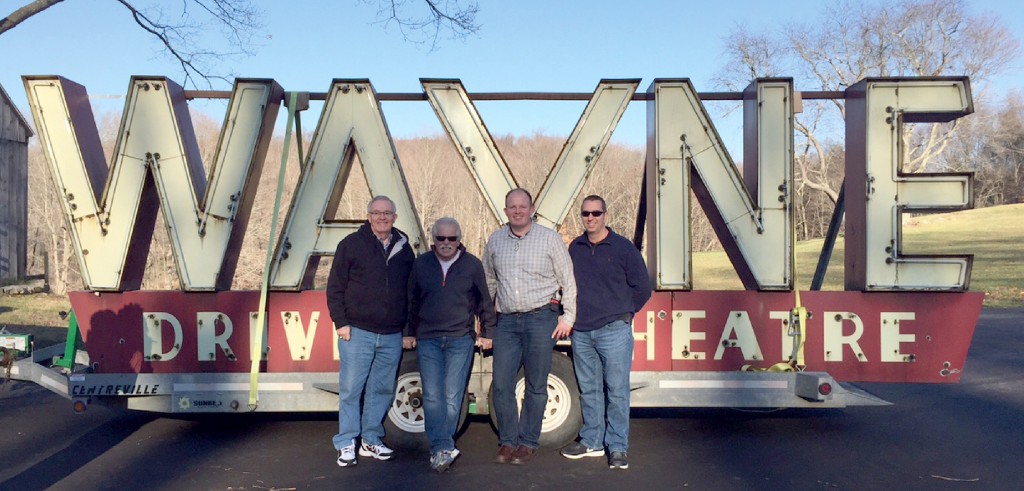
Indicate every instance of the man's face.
{"type": "Point", "coordinates": [443, 247]}
{"type": "Point", "coordinates": [518, 210]}
{"type": "Point", "coordinates": [593, 216]}
{"type": "Point", "coordinates": [381, 217]}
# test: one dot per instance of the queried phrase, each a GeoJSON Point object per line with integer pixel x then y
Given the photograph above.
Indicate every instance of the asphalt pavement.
{"type": "Point", "coordinates": [968, 436]}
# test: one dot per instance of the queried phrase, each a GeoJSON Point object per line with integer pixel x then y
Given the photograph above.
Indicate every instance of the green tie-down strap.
{"type": "Point", "coordinates": [68, 360]}
{"type": "Point", "coordinates": [261, 316]}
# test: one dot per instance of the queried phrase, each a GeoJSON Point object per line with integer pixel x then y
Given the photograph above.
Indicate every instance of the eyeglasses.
{"type": "Point", "coordinates": [591, 213]}
{"type": "Point", "coordinates": [385, 214]}
{"type": "Point", "coordinates": [449, 238]}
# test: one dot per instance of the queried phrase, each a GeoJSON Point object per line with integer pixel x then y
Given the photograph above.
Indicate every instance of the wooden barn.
{"type": "Point", "coordinates": [14, 134]}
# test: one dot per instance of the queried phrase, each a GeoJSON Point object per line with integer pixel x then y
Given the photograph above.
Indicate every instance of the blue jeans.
{"type": "Point", "coordinates": [367, 361]}
{"type": "Point", "coordinates": [522, 340]}
{"type": "Point", "coordinates": [444, 372]}
{"type": "Point", "coordinates": [602, 359]}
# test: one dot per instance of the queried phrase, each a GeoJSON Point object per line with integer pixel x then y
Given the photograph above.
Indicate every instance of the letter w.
{"type": "Point", "coordinates": [156, 162]}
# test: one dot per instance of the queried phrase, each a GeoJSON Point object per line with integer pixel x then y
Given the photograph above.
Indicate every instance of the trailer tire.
{"type": "Point", "coordinates": [563, 415]}
{"type": "Point", "coordinates": [404, 422]}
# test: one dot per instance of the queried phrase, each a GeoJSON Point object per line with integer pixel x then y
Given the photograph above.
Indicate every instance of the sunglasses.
{"type": "Point", "coordinates": [591, 213]}
{"type": "Point", "coordinates": [449, 238]}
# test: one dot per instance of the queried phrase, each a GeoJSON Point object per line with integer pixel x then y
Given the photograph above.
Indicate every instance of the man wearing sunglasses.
{"type": "Point", "coordinates": [447, 292]}
{"type": "Point", "coordinates": [367, 298]}
{"type": "Point", "coordinates": [526, 265]}
{"type": "Point", "coordinates": [617, 286]}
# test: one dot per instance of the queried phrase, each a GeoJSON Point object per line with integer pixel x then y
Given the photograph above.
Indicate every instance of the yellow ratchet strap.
{"type": "Point", "coordinates": [256, 352]}
{"type": "Point", "coordinates": [797, 321]}
{"type": "Point", "coordinates": [797, 330]}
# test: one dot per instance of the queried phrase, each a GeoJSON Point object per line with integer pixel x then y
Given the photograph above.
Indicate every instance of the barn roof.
{"type": "Point", "coordinates": [7, 100]}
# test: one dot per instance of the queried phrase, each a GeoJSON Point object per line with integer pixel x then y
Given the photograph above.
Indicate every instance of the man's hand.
{"type": "Point", "coordinates": [484, 343]}
{"type": "Point", "coordinates": [408, 342]}
{"type": "Point", "coordinates": [344, 332]}
{"type": "Point", "coordinates": [562, 330]}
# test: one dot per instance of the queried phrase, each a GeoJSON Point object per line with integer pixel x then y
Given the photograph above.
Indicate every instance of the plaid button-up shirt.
{"type": "Point", "coordinates": [525, 273]}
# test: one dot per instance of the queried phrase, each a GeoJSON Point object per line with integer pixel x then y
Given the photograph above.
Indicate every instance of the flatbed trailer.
{"type": "Point", "coordinates": [208, 348]}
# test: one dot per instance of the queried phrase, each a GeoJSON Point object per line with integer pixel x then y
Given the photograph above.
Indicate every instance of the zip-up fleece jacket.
{"type": "Point", "coordinates": [445, 305]}
{"type": "Point", "coordinates": [367, 285]}
{"type": "Point", "coordinates": [612, 279]}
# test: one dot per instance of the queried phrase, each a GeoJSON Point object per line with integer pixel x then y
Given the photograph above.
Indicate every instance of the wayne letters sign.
{"type": "Point", "coordinates": [902, 318]}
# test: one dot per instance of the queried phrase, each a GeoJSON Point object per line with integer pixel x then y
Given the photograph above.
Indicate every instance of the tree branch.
{"type": "Point", "coordinates": [19, 16]}
{"type": "Point", "coordinates": [237, 18]}
{"type": "Point", "coordinates": [433, 18]}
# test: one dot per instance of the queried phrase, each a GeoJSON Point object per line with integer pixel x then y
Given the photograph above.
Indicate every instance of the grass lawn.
{"type": "Point", "coordinates": [33, 310]}
{"type": "Point", "coordinates": [994, 235]}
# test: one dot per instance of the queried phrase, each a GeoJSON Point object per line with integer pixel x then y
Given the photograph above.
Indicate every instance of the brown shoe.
{"type": "Point", "coordinates": [523, 454]}
{"type": "Point", "coordinates": [504, 455]}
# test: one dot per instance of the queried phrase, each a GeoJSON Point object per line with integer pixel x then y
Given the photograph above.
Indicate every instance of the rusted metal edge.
{"type": "Point", "coordinates": [524, 96]}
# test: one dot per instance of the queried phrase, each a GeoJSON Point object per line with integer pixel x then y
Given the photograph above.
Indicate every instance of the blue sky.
{"type": "Point", "coordinates": [525, 45]}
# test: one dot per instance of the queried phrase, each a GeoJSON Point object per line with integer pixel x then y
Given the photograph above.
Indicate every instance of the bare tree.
{"type": "Point", "coordinates": [849, 41]}
{"type": "Point", "coordinates": [992, 146]}
{"type": "Point", "coordinates": [178, 29]}
{"type": "Point", "coordinates": [426, 22]}
{"type": "Point", "coordinates": [439, 182]}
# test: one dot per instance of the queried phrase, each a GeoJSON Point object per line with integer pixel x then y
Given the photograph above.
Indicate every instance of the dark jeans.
{"type": "Point", "coordinates": [522, 340]}
{"type": "Point", "coordinates": [444, 370]}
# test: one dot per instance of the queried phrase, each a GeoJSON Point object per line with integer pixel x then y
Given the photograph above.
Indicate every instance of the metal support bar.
{"type": "Point", "coordinates": [525, 96]}
{"type": "Point", "coordinates": [641, 214]}
{"type": "Point", "coordinates": [830, 239]}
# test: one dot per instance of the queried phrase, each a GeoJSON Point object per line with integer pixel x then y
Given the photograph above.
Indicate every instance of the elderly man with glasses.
{"type": "Point", "coordinates": [447, 293]}
{"type": "Point", "coordinates": [367, 298]}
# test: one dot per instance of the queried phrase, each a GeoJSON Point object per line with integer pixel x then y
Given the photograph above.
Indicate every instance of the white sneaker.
{"type": "Point", "coordinates": [379, 451]}
{"type": "Point", "coordinates": [442, 460]}
{"type": "Point", "coordinates": [347, 455]}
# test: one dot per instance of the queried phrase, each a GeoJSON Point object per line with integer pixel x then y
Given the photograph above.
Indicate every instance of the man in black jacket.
{"type": "Point", "coordinates": [447, 292]}
{"type": "Point", "coordinates": [366, 294]}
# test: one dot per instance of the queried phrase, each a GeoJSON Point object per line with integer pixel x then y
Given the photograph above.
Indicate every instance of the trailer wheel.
{"type": "Point", "coordinates": [563, 415]}
{"type": "Point", "coordinates": [404, 425]}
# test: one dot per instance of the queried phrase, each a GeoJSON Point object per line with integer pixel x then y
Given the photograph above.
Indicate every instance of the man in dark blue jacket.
{"type": "Point", "coordinates": [447, 292]}
{"type": "Point", "coordinates": [613, 286]}
{"type": "Point", "coordinates": [367, 297]}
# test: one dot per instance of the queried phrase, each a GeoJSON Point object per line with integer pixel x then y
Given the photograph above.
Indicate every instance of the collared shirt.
{"type": "Point", "coordinates": [525, 273]}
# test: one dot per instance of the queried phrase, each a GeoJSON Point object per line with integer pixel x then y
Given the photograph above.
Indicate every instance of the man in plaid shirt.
{"type": "Point", "coordinates": [526, 265]}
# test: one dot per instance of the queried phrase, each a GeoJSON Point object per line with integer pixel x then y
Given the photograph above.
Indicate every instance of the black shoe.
{"type": "Point", "coordinates": [617, 460]}
{"type": "Point", "coordinates": [577, 450]}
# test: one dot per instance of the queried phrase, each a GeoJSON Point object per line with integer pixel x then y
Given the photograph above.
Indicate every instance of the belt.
{"type": "Point", "coordinates": [534, 311]}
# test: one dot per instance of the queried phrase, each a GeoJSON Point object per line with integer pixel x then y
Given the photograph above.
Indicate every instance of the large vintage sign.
{"type": "Point", "coordinates": [903, 318]}
{"type": "Point", "coordinates": [860, 336]}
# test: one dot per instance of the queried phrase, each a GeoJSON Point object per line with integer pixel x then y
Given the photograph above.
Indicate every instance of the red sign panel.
{"type": "Point", "coordinates": [854, 336]}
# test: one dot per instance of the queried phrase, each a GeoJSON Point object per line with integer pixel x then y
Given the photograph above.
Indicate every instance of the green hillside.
{"type": "Point", "coordinates": [994, 235]}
